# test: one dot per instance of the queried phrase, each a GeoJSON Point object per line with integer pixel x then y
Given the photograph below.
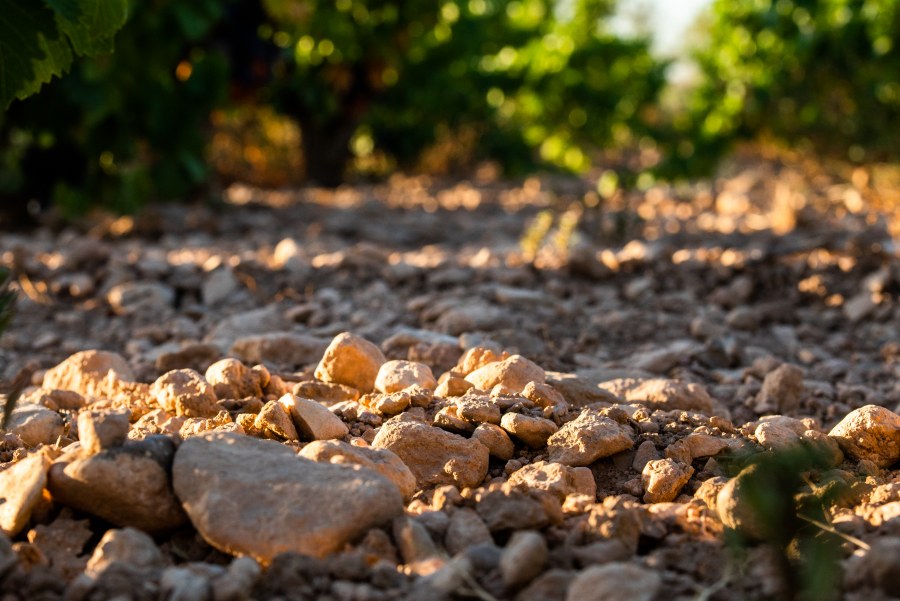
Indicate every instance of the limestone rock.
{"type": "Point", "coordinates": [511, 510]}
{"type": "Point", "coordinates": [587, 438]}
{"type": "Point", "coordinates": [256, 497]}
{"type": "Point", "coordinates": [127, 485]}
{"type": "Point", "coordinates": [231, 379]}
{"type": "Point", "coordinates": [125, 546]}
{"type": "Point", "coordinates": [615, 582]}
{"type": "Point", "coordinates": [735, 510]}
{"type": "Point", "coordinates": [662, 394]}
{"type": "Point", "coordinates": [556, 478]}
{"type": "Point", "coordinates": [20, 490]}
{"type": "Point", "coordinates": [381, 461]}
{"type": "Point", "coordinates": [514, 373]}
{"type": "Point", "coordinates": [36, 425]}
{"type": "Point", "coordinates": [579, 391]}
{"type": "Point", "coordinates": [185, 392]}
{"type": "Point", "coordinates": [55, 400]}
{"type": "Point", "coordinates": [275, 418]}
{"type": "Point", "coordinates": [131, 298]}
{"type": "Point", "coordinates": [781, 391]}
{"type": "Point", "coordinates": [434, 456]}
{"type": "Point", "coordinates": [477, 409]}
{"type": "Point", "coordinates": [282, 349]}
{"type": "Point", "coordinates": [351, 360]}
{"type": "Point", "coordinates": [327, 393]}
{"type": "Point", "coordinates": [496, 440]}
{"type": "Point", "coordinates": [533, 431]}
{"type": "Point", "coordinates": [313, 421]}
{"type": "Point", "coordinates": [218, 286]}
{"type": "Point", "coordinates": [663, 479]}
{"type": "Point", "coordinates": [99, 430]}
{"type": "Point", "coordinates": [89, 373]}
{"type": "Point", "coordinates": [466, 529]}
{"type": "Point", "coordinates": [523, 558]}
{"type": "Point", "coordinates": [870, 432]}
{"type": "Point", "coordinates": [394, 376]}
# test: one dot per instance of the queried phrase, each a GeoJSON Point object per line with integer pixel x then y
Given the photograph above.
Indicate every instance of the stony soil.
{"type": "Point", "coordinates": [420, 390]}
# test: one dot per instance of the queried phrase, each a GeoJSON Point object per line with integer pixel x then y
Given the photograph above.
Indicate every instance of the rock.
{"type": "Point", "coordinates": [880, 566]}
{"type": "Point", "coordinates": [544, 395]}
{"type": "Point", "coordinates": [20, 490]}
{"type": "Point", "coordinates": [313, 421]}
{"type": "Point", "coordinates": [36, 425]}
{"type": "Point", "coordinates": [127, 485]}
{"type": "Point", "coordinates": [704, 445]}
{"type": "Point", "coordinates": [782, 390]}
{"type": "Point", "coordinates": [870, 432]}
{"type": "Point", "coordinates": [523, 558]}
{"type": "Point", "coordinates": [351, 360]}
{"type": "Point", "coordinates": [646, 451]}
{"type": "Point", "coordinates": [184, 584]}
{"type": "Point", "coordinates": [448, 418]}
{"type": "Point", "coordinates": [99, 430]}
{"type": "Point", "coordinates": [248, 323]}
{"type": "Point", "coordinates": [126, 546]}
{"type": "Point", "coordinates": [466, 529]}
{"type": "Point", "coordinates": [394, 376]}
{"type": "Point", "coordinates": [89, 373]}
{"type": "Point", "coordinates": [381, 461]}
{"type": "Point", "coordinates": [735, 510]}
{"type": "Point", "coordinates": [275, 418]}
{"type": "Point", "coordinates": [453, 387]}
{"type": "Point", "coordinates": [434, 456]}
{"type": "Point", "coordinates": [560, 480]}
{"type": "Point", "coordinates": [587, 438]}
{"type": "Point", "coordinates": [615, 582]}
{"type": "Point", "coordinates": [237, 582]}
{"type": "Point", "coordinates": [55, 400]}
{"type": "Point", "coordinates": [496, 440]}
{"type": "Point", "coordinates": [218, 286]}
{"type": "Point", "coordinates": [192, 355]}
{"type": "Point", "coordinates": [533, 431]}
{"type": "Point", "coordinates": [386, 404]}
{"type": "Point", "coordinates": [476, 358]}
{"type": "Point", "coordinates": [186, 393]}
{"type": "Point", "coordinates": [514, 373]}
{"type": "Point", "coordinates": [477, 409]}
{"type": "Point", "coordinates": [511, 510]}
{"type": "Point", "coordinates": [256, 497]}
{"type": "Point", "coordinates": [775, 436]}
{"type": "Point", "coordinates": [662, 394]}
{"type": "Point", "coordinates": [326, 393]}
{"type": "Point", "coordinates": [283, 350]}
{"type": "Point", "coordinates": [415, 545]}
{"type": "Point", "coordinates": [471, 316]}
{"type": "Point", "coordinates": [663, 479]}
{"type": "Point", "coordinates": [133, 298]}
{"type": "Point", "coordinates": [549, 586]}
{"type": "Point", "coordinates": [579, 391]}
{"type": "Point", "coordinates": [231, 379]}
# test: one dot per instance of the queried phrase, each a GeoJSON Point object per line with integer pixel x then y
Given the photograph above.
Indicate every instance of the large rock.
{"type": "Point", "coordinates": [351, 360]}
{"type": "Point", "coordinates": [281, 349]}
{"type": "Point", "coordinates": [587, 438]}
{"type": "Point", "coordinates": [615, 582]}
{"type": "Point", "coordinates": [394, 376]}
{"type": "Point", "coordinates": [870, 432]}
{"type": "Point", "coordinates": [20, 491]}
{"type": "Point", "coordinates": [257, 497]}
{"type": "Point", "coordinates": [127, 485]}
{"type": "Point", "coordinates": [514, 373]}
{"type": "Point", "coordinates": [434, 456]}
{"type": "Point", "coordinates": [36, 425]}
{"type": "Point", "coordinates": [662, 394]}
{"type": "Point", "coordinates": [382, 461]}
{"type": "Point", "coordinates": [185, 392]}
{"type": "Point", "coordinates": [89, 373]}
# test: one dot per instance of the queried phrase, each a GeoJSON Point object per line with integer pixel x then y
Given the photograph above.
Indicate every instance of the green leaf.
{"type": "Point", "coordinates": [92, 32]}
{"type": "Point", "coordinates": [69, 9]}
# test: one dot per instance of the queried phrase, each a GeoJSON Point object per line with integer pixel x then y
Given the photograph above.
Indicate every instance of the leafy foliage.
{"type": "Point", "coordinates": [38, 39]}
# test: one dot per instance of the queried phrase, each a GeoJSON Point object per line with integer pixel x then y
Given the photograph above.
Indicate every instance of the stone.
{"type": "Point", "coordinates": [326, 393]}
{"type": "Point", "coordinates": [20, 491]}
{"type": "Point", "coordinates": [496, 440]}
{"type": "Point", "coordinates": [705, 445]}
{"type": "Point", "coordinates": [523, 558]}
{"type": "Point", "coordinates": [617, 581]}
{"type": "Point", "coordinates": [256, 497]}
{"type": "Point", "coordinates": [247, 323]}
{"type": "Point", "coordinates": [533, 431]}
{"type": "Point", "coordinates": [55, 400]}
{"type": "Point", "coordinates": [544, 395]}
{"type": "Point", "coordinates": [663, 479]}
{"type": "Point", "coordinates": [237, 582]}
{"type": "Point", "coordinates": [549, 586]}
{"type": "Point", "coordinates": [579, 391]}
{"type": "Point", "coordinates": [416, 545]}
{"type": "Point", "coordinates": [387, 404]}
{"type": "Point", "coordinates": [662, 394]}
{"type": "Point", "coordinates": [434, 456]}
{"type": "Point", "coordinates": [776, 437]}
{"type": "Point", "coordinates": [99, 430]}
{"type": "Point", "coordinates": [191, 355]}
{"type": "Point", "coordinates": [218, 286]}
{"type": "Point", "coordinates": [476, 358]}
{"type": "Point", "coordinates": [36, 425]}
{"type": "Point", "coordinates": [131, 298]}
{"type": "Point", "coordinates": [62, 542]}
{"type": "Point", "coordinates": [514, 373]}
{"type": "Point", "coordinates": [275, 418]}
{"type": "Point", "coordinates": [381, 461]}
{"type": "Point", "coordinates": [89, 373]}
{"type": "Point", "coordinates": [127, 485]}
{"type": "Point", "coordinates": [646, 451]}
{"type": "Point", "coordinates": [735, 510]}
{"type": "Point", "coordinates": [782, 390]}
{"type": "Point", "coordinates": [505, 510]}
{"type": "Point", "coordinates": [284, 350]}
{"type": "Point", "coordinates": [351, 360]}
{"type": "Point", "coordinates": [394, 376]}
{"type": "Point", "coordinates": [477, 409]}
{"type": "Point", "coordinates": [587, 438]}
{"type": "Point", "coordinates": [555, 478]}
{"type": "Point", "coordinates": [125, 546]}
{"type": "Point", "coordinates": [231, 379]}
{"type": "Point", "coordinates": [186, 393]}
{"type": "Point", "coordinates": [313, 421]}
{"type": "Point", "coordinates": [466, 529]}
{"type": "Point", "coordinates": [870, 432]}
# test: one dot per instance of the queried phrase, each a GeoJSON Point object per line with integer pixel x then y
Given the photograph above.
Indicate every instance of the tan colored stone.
{"type": "Point", "coordinates": [275, 418]}
{"type": "Point", "coordinates": [351, 360]}
{"type": "Point", "coordinates": [476, 358]}
{"type": "Point", "coordinates": [466, 529]}
{"type": "Point", "coordinates": [478, 409]}
{"type": "Point", "coordinates": [20, 490]}
{"type": "Point", "coordinates": [496, 440]}
{"type": "Point", "coordinates": [615, 582]}
{"type": "Point", "coordinates": [386, 404]}
{"type": "Point", "coordinates": [523, 558]}
{"type": "Point", "coordinates": [533, 431]}
{"type": "Point", "coordinates": [185, 392]}
{"type": "Point", "coordinates": [124, 547]}
{"type": "Point", "coordinates": [663, 479]}
{"type": "Point", "coordinates": [453, 387]}
{"type": "Point", "coordinates": [870, 432]}
{"type": "Point", "coordinates": [587, 438]}
{"type": "Point", "coordinates": [313, 421]}
{"type": "Point", "coordinates": [282, 349]}
{"type": "Point", "coordinates": [327, 393]}
{"type": "Point", "coordinates": [514, 373]}
{"type": "Point", "coordinates": [36, 425]}
{"type": "Point", "coordinates": [382, 461]}
{"type": "Point", "coordinates": [394, 376]}
{"type": "Point", "coordinates": [231, 379]}
{"type": "Point", "coordinates": [662, 394]}
{"type": "Point", "coordinates": [89, 373]}
{"type": "Point", "coordinates": [98, 430]}
{"type": "Point", "coordinates": [555, 478]}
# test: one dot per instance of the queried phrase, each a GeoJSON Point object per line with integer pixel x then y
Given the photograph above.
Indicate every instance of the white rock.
{"type": "Point", "coordinates": [313, 420]}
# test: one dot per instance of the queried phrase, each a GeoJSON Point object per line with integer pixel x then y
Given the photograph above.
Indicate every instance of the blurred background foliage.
{"type": "Point", "coordinates": [199, 93]}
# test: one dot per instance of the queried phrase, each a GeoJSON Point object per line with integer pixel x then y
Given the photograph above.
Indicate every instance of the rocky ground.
{"type": "Point", "coordinates": [419, 390]}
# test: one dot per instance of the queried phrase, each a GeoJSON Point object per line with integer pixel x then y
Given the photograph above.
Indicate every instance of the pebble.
{"type": "Point", "coordinates": [514, 373]}
{"type": "Point", "coordinates": [549, 586]}
{"type": "Point", "coordinates": [231, 379]}
{"type": "Point", "coordinates": [99, 430]}
{"type": "Point", "coordinates": [434, 456]}
{"type": "Point", "coordinates": [735, 510]}
{"type": "Point", "coordinates": [533, 431]}
{"type": "Point", "coordinates": [496, 440]}
{"type": "Point", "coordinates": [782, 390]}
{"type": "Point", "coordinates": [313, 421]}
{"type": "Point", "coordinates": [127, 485]}
{"type": "Point", "coordinates": [776, 436]}
{"type": "Point", "coordinates": [505, 510]}
{"type": "Point", "coordinates": [417, 549]}
{"type": "Point", "coordinates": [20, 491]}
{"type": "Point", "coordinates": [465, 529]}
{"type": "Point", "coordinates": [381, 461]}
{"type": "Point", "coordinates": [394, 376]}
{"type": "Point", "coordinates": [326, 393]}
{"type": "Point", "coordinates": [523, 558]}
{"type": "Point", "coordinates": [218, 286]}
{"type": "Point", "coordinates": [89, 373]}
{"type": "Point", "coordinates": [663, 479]}
{"type": "Point", "coordinates": [662, 394]}
{"type": "Point", "coordinates": [190, 355]}
{"type": "Point", "coordinates": [555, 478]}
{"type": "Point", "coordinates": [124, 546]}
{"type": "Point", "coordinates": [579, 391]}
{"type": "Point", "coordinates": [478, 409]}
{"type": "Point", "coordinates": [282, 350]}
{"type": "Point", "coordinates": [256, 497]}
{"type": "Point", "coordinates": [387, 404]}
{"type": "Point", "coordinates": [587, 438]}
{"type": "Point", "coordinates": [36, 425]}
{"type": "Point", "coordinates": [645, 452]}
{"type": "Point", "coordinates": [870, 432]}
{"type": "Point", "coordinates": [140, 298]}
{"type": "Point", "coordinates": [615, 582]}
{"type": "Point", "coordinates": [275, 420]}
{"type": "Point", "coordinates": [186, 393]}
{"type": "Point", "coordinates": [351, 360]}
